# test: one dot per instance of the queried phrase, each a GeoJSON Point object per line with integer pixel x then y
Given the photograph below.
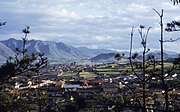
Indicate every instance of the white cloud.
{"type": "Point", "coordinates": [93, 46]}
{"type": "Point", "coordinates": [103, 38]}
{"type": "Point", "coordinates": [172, 46]}
{"type": "Point", "coordinates": [61, 13]}
{"type": "Point", "coordinates": [169, 7]}
{"type": "Point", "coordinates": [137, 8]}
{"type": "Point", "coordinates": [92, 23]}
{"type": "Point", "coordinates": [176, 18]}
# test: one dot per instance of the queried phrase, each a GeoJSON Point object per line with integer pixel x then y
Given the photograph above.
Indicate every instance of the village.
{"type": "Point", "coordinates": [101, 87]}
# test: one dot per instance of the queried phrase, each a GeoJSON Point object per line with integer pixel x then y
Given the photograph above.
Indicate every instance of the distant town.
{"type": "Point", "coordinates": [101, 87]}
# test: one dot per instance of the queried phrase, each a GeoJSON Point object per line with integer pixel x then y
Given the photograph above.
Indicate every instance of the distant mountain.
{"type": "Point", "coordinates": [104, 58]}
{"type": "Point", "coordinates": [62, 53]}
{"type": "Point", "coordinates": [109, 57]}
{"type": "Point", "coordinates": [5, 52]}
{"type": "Point", "coordinates": [165, 51]}
{"type": "Point", "coordinates": [93, 52]}
{"type": "Point", "coordinates": [166, 54]}
{"type": "Point", "coordinates": [55, 51]}
{"type": "Point", "coordinates": [12, 43]}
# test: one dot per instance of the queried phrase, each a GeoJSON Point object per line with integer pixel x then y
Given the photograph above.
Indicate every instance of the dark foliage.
{"type": "Point", "coordinates": [22, 62]}
{"type": "Point", "coordinates": [176, 1]}
{"type": "Point", "coordinates": [119, 56]}
{"type": "Point", "coordinates": [2, 23]}
{"type": "Point", "coordinates": [7, 70]}
{"type": "Point", "coordinates": [173, 26]}
{"type": "Point", "coordinates": [134, 55]}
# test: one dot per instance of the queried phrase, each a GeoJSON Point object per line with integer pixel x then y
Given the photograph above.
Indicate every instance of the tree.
{"type": "Point", "coordinates": [22, 64]}
{"type": "Point", "coordinates": [142, 78]}
{"type": "Point", "coordinates": [176, 1]}
{"type": "Point", "coordinates": [139, 91]}
{"type": "Point", "coordinates": [173, 26]}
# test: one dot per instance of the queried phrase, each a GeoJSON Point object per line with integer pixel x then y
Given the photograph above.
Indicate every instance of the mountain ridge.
{"type": "Point", "coordinates": [110, 57]}
{"type": "Point", "coordinates": [63, 53]}
{"type": "Point", "coordinates": [53, 50]}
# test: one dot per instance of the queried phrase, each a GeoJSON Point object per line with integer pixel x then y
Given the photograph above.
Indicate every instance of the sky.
{"type": "Point", "coordinates": [89, 23]}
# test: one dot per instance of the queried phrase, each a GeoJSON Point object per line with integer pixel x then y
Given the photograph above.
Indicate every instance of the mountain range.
{"type": "Point", "coordinates": [59, 52]}
{"type": "Point", "coordinates": [110, 57]}
{"type": "Point", "coordinates": [54, 51]}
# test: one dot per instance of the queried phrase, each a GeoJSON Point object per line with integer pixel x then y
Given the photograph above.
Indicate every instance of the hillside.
{"type": "Point", "coordinates": [109, 57]}
{"type": "Point", "coordinates": [55, 51]}
{"type": "Point", "coordinates": [5, 52]}
{"type": "Point", "coordinates": [104, 58]}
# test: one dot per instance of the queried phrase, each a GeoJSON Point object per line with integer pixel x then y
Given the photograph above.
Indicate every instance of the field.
{"type": "Point", "coordinates": [114, 69]}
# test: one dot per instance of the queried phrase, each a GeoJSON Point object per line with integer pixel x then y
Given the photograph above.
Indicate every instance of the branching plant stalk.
{"type": "Point", "coordinates": [39, 94]}
{"type": "Point", "coordinates": [164, 85]}
{"type": "Point", "coordinates": [26, 32]}
{"type": "Point", "coordinates": [144, 42]}
{"type": "Point", "coordinates": [143, 79]}
{"type": "Point", "coordinates": [24, 44]}
{"type": "Point", "coordinates": [130, 55]}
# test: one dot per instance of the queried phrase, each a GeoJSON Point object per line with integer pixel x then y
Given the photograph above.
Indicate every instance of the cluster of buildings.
{"type": "Point", "coordinates": [61, 88]}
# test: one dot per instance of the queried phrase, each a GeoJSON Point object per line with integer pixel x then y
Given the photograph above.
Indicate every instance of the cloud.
{"type": "Point", "coordinates": [137, 8]}
{"type": "Point", "coordinates": [61, 13]}
{"type": "Point", "coordinates": [103, 38]}
{"type": "Point", "coordinates": [91, 23]}
{"type": "Point", "coordinates": [168, 6]}
{"type": "Point", "coordinates": [172, 46]}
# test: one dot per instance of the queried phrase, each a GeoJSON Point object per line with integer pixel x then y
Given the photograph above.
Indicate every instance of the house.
{"type": "Point", "coordinates": [110, 88]}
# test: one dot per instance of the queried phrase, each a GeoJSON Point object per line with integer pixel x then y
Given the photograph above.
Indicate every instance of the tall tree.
{"type": "Point", "coordinates": [140, 92]}
{"type": "Point", "coordinates": [143, 78]}
{"type": "Point", "coordinates": [162, 76]}
{"type": "Point", "coordinates": [173, 26]}
{"type": "Point", "coordinates": [22, 62]}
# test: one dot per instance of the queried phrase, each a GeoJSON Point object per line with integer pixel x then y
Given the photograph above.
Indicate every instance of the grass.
{"type": "Point", "coordinates": [87, 75]}
{"type": "Point", "coordinates": [102, 69]}
{"type": "Point", "coordinates": [109, 73]}
{"type": "Point", "coordinates": [116, 69]}
{"type": "Point", "coordinates": [110, 70]}
{"type": "Point", "coordinates": [69, 74]}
